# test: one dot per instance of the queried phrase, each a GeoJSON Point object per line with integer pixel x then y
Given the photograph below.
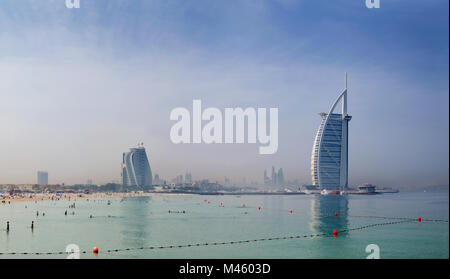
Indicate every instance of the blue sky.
{"type": "Point", "coordinates": [80, 86]}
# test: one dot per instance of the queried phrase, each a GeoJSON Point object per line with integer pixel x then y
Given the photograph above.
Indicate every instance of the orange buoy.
{"type": "Point", "coordinates": [95, 250]}
{"type": "Point", "coordinates": [419, 219]}
{"type": "Point", "coordinates": [335, 233]}
{"type": "Point", "coordinates": [335, 214]}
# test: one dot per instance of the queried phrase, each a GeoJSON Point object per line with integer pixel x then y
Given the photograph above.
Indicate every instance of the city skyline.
{"type": "Point", "coordinates": [79, 83]}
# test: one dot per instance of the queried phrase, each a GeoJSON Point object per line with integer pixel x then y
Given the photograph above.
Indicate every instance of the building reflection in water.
{"type": "Point", "coordinates": [135, 224]}
{"type": "Point", "coordinates": [323, 208]}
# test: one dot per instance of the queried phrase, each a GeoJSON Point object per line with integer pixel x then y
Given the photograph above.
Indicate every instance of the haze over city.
{"type": "Point", "coordinates": [81, 87]}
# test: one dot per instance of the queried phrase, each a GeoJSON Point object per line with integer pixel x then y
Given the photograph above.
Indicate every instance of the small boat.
{"type": "Point", "coordinates": [335, 192]}
{"type": "Point", "coordinates": [324, 192]}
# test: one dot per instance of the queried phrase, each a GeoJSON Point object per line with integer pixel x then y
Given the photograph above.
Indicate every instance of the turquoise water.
{"type": "Point", "coordinates": [145, 221]}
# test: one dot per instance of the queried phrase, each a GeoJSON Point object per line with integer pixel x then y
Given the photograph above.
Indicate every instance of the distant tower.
{"type": "Point", "coordinates": [42, 177]}
{"type": "Point", "coordinates": [329, 159]}
{"type": "Point", "coordinates": [156, 180]}
{"type": "Point", "coordinates": [274, 176]}
{"type": "Point", "coordinates": [188, 178]}
{"type": "Point", "coordinates": [280, 177]}
{"type": "Point", "coordinates": [136, 168]}
{"type": "Point", "coordinates": [266, 178]}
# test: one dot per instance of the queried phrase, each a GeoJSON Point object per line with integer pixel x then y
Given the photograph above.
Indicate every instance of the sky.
{"type": "Point", "coordinates": [80, 86]}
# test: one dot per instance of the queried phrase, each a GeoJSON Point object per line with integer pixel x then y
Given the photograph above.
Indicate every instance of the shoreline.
{"type": "Point", "coordinates": [38, 197]}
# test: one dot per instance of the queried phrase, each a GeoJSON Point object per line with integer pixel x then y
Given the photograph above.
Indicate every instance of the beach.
{"type": "Point", "coordinates": [37, 197]}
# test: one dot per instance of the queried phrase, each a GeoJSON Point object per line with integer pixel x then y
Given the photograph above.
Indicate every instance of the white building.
{"type": "Point", "coordinates": [329, 159]}
{"type": "Point", "coordinates": [136, 168]}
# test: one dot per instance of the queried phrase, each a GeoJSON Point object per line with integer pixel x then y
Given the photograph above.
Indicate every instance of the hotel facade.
{"type": "Point", "coordinates": [329, 159]}
{"type": "Point", "coordinates": [136, 168]}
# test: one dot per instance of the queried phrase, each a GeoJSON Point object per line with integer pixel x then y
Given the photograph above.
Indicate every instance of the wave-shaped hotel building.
{"type": "Point", "coordinates": [329, 159]}
{"type": "Point", "coordinates": [136, 168]}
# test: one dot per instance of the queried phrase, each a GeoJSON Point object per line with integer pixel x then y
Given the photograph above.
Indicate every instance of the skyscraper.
{"type": "Point", "coordinates": [42, 177]}
{"type": "Point", "coordinates": [274, 176]}
{"type": "Point", "coordinates": [280, 178]}
{"type": "Point", "coordinates": [188, 178]}
{"type": "Point", "coordinates": [136, 168]}
{"type": "Point", "coordinates": [329, 159]}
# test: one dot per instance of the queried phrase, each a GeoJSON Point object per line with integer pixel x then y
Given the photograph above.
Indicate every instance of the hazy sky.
{"type": "Point", "coordinates": [80, 86]}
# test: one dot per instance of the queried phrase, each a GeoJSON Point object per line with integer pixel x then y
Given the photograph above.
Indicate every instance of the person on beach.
{"type": "Point", "coordinates": [32, 225]}
{"type": "Point", "coordinates": [65, 213]}
{"type": "Point", "coordinates": [37, 212]}
{"type": "Point", "coordinates": [7, 226]}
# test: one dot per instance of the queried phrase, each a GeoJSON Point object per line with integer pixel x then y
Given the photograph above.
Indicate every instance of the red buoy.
{"type": "Point", "coordinates": [419, 219]}
{"type": "Point", "coordinates": [291, 211]}
{"type": "Point", "coordinates": [335, 214]}
{"type": "Point", "coordinates": [243, 205]}
{"type": "Point", "coordinates": [95, 250]}
{"type": "Point", "coordinates": [221, 204]}
{"type": "Point", "coordinates": [335, 233]}
{"type": "Point", "coordinates": [259, 207]}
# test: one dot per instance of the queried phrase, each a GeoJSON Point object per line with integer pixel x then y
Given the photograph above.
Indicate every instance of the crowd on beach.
{"type": "Point", "coordinates": [35, 197]}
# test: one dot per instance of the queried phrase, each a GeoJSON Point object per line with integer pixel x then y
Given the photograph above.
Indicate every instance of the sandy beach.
{"type": "Point", "coordinates": [36, 197]}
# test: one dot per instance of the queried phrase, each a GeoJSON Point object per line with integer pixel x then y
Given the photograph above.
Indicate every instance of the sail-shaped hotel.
{"type": "Point", "coordinates": [329, 159]}
{"type": "Point", "coordinates": [135, 168]}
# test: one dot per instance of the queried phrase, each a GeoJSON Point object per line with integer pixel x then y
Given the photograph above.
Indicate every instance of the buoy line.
{"type": "Point", "coordinates": [260, 208]}
{"type": "Point", "coordinates": [331, 234]}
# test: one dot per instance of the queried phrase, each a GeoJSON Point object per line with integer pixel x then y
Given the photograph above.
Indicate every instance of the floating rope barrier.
{"type": "Point", "coordinates": [331, 234]}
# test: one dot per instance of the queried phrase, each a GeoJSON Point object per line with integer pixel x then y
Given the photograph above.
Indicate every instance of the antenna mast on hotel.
{"type": "Point", "coordinates": [344, 101]}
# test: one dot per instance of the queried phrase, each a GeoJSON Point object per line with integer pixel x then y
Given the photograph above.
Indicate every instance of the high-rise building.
{"type": "Point", "coordinates": [157, 180]}
{"type": "Point", "coordinates": [274, 176]}
{"type": "Point", "coordinates": [329, 159]}
{"type": "Point", "coordinates": [280, 177]}
{"type": "Point", "coordinates": [42, 177]}
{"type": "Point", "coordinates": [136, 168]}
{"type": "Point", "coordinates": [267, 180]}
{"type": "Point", "coordinates": [188, 178]}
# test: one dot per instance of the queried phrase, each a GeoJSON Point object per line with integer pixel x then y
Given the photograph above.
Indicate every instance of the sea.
{"type": "Point", "coordinates": [230, 226]}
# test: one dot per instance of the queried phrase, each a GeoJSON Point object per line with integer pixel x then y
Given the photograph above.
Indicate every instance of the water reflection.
{"type": "Point", "coordinates": [134, 227]}
{"type": "Point", "coordinates": [323, 209]}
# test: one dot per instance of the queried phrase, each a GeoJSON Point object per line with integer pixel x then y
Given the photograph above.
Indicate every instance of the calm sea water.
{"type": "Point", "coordinates": [145, 221]}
